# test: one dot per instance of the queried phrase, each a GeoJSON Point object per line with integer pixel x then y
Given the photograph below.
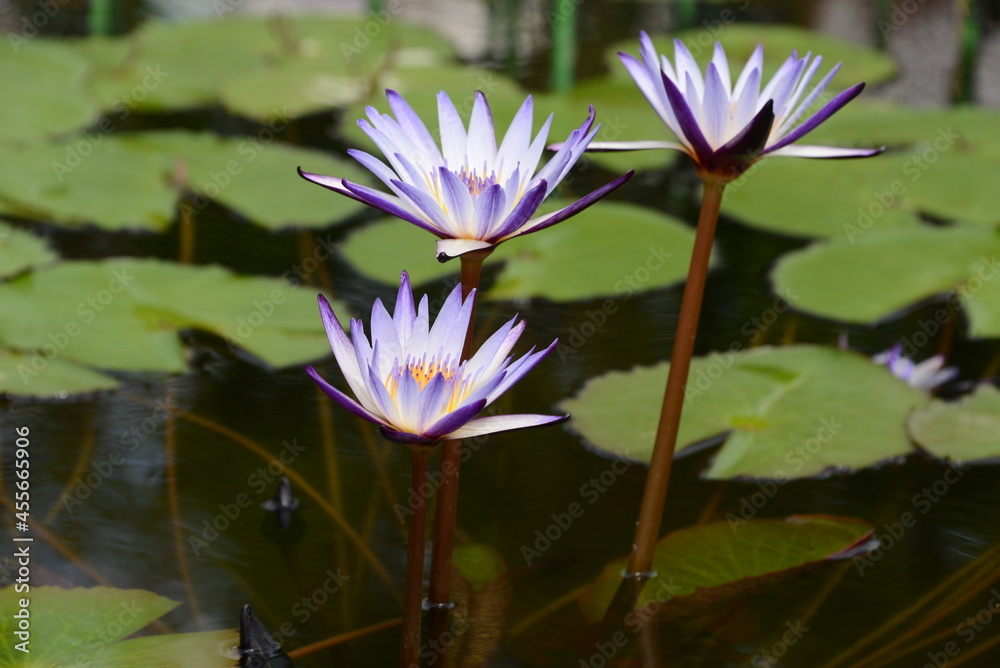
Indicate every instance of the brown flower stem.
{"type": "Point", "coordinates": [451, 461]}
{"type": "Point", "coordinates": [414, 587]}
{"type": "Point", "coordinates": [655, 494]}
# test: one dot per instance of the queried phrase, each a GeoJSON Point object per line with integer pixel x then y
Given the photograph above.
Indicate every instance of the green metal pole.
{"type": "Point", "coordinates": [102, 17]}
{"type": "Point", "coordinates": [686, 12]}
{"type": "Point", "coordinates": [563, 72]}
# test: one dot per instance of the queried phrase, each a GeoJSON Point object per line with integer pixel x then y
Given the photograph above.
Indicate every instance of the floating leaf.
{"type": "Point", "coordinates": [123, 313]}
{"type": "Point", "coordinates": [711, 561]}
{"type": "Point", "coordinates": [740, 39]}
{"type": "Point", "coordinates": [42, 90]}
{"type": "Point", "coordinates": [609, 248]}
{"type": "Point", "coordinates": [844, 199]}
{"type": "Point", "coordinates": [885, 272]}
{"type": "Point", "coordinates": [34, 374]}
{"type": "Point", "coordinates": [866, 123]}
{"type": "Point", "coordinates": [790, 412]}
{"type": "Point", "coordinates": [20, 250]}
{"type": "Point", "coordinates": [962, 431]}
{"type": "Point", "coordinates": [88, 627]}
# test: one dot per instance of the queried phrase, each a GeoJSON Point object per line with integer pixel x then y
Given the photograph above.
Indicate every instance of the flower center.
{"type": "Point", "coordinates": [476, 184]}
{"type": "Point", "coordinates": [423, 371]}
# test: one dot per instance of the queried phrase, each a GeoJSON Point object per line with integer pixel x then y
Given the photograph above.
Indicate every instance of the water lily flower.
{"type": "Point", "coordinates": [924, 376]}
{"type": "Point", "coordinates": [468, 193]}
{"type": "Point", "coordinates": [723, 127]}
{"type": "Point", "coordinates": [409, 379]}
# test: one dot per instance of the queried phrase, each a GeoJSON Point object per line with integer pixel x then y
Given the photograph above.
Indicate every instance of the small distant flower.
{"type": "Point", "coordinates": [924, 376]}
{"type": "Point", "coordinates": [469, 193]}
{"type": "Point", "coordinates": [725, 128]}
{"type": "Point", "coordinates": [409, 379]}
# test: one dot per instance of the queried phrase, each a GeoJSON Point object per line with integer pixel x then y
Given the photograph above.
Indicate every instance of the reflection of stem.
{"type": "Point", "coordinates": [86, 450]}
{"type": "Point", "coordinates": [655, 494]}
{"type": "Point", "coordinates": [300, 483]}
{"type": "Point", "coordinates": [173, 500]}
{"type": "Point", "coordinates": [342, 638]}
{"type": "Point", "coordinates": [414, 589]}
{"type": "Point", "coordinates": [451, 459]}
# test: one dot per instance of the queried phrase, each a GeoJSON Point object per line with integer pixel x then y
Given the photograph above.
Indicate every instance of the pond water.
{"type": "Point", "coordinates": [127, 479]}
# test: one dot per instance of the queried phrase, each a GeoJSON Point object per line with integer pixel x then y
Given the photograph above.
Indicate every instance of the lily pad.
{"type": "Point", "coordinates": [867, 123]}
{"type": "Point", "coordinates": [69, 184]}
{"type": "Point", "coordinates": [886, 272]}
{"type": "Point", "coordinates": [89, 627]}
{"type": "Point", "coordinates": [124, 314]}
{"type": "Point", "coordinates": [35, 375]}
{"type": "Point", "coordinates": [825, 198]}
{"type": "Point", "coordinates": [784, 413]}
{"type": "Point", "coordinates": [611, 248]}
{"type": "Point", "coordinates": [20, 250]}
{"type": "Point", "coordinates": [966, 430]}
{"type": "Point", "coordinates": [43, 90]}
{"type": "Point", "coordinates": [740, 39]}
{"type": "Point", "coordinates": [709, 562]}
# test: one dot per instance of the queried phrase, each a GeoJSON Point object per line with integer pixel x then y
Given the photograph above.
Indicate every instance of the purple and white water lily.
{"type": "Point", "coordinates": [726, 127]}
{"type": "Point", "coordinates": [924, 376]}
{"type": "Point", "coordinates": [469, 193]}
{"type": "Point", "coordinates": [409, 378]}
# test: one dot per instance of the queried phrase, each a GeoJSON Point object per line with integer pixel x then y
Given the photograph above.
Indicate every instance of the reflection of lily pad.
{"type": "Point", "coordinates": [610, 248]}
{"type": "Point", "coordinates": [125, 314]}
{"type": "Point", "coordinates": [790, 412]}
{"type": "Point", "coordinates": [89, 627]}
{"type": "Point", "coordinates": [255, 176]}
{"type": "Point", "coordinates": [962, 431]}
{"type": "Point", "coordinates": [706, 563]}
{"type": "Point", "coordinates": [740, 39]}
{"type": "Point", "coordinates": [885, 272]}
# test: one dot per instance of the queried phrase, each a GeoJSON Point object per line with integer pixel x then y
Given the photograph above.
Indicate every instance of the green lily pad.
{"type": "Point", "coordinates": [740, 39]}
{"type": "Point", "coordinates": [611, 248]}
{"type": "Point", "coordinates": [89, 627]}
{"type": "Point", "coordinates": [958, 185]}
{"type": "Point", "coordinates": [966, 430]}
{"type": "Point", "coordinates": [825, 198]}
{"type": "Point", "coordinates": [35, 375]}
{"type": "Point", "coordinates": [867, 123]}
{"type": "Point", "coordinates": [20, 250]}
{"type": "Point", "coordinates": [42, 90]}
{"type": "Point", "coordinates": [886, 272]}
{"type": "Point", "coordinates": [479, 564]}
{"type": "Point", "coordinates": [703, 564]}
{"type": "Point", "coordinates": [69, 184]}
{"type": "Point", "coordinates": [124, 314]}
{"type": "Point", "coordinates": [789, 412]}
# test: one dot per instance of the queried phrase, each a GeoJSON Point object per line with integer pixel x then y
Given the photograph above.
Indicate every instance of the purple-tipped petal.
{"type": "Point", "coordinates": [735, 156]}
{"type": "Point", "coordinates": [688, 124]}
{"type": "Point", "coordinates": [613, 146]}
{"type": "Point", "coordinates": [405, 437]}
{"type": "Point", "coordinates": [521, 213]}
{"type": "Point", "coordinates": [829, 109]}
{"type": "Point", "coordinates": [388, 203]}
{"type": "Point", "coordinates": [551, 219]}
{"type": "Point", "coordinates": [341, 398]}
{"type": "Point", "coordinates": [492, 424]}
{"type": "Point", "coordinates": [454, 420]}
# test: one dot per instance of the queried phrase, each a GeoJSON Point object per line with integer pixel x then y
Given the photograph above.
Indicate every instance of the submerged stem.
{"type": "Point", "coordinates": [414, 588]}
{"type": "Point", "coordinates": [655, 493]}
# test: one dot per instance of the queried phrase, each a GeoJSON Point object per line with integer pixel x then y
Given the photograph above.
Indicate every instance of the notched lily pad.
{"type": "Point", "coordinates": [705, 565]}
{"type": "Point", "coordinates": [967, 430]}
{"type": "Point", "coordinates": [124, 314]}
{"type": "Point", "coordinates": [886, 272]}
{"type": "Point", "coordinates": [611, 248]}
{"type": "Point", "coordinates": [789, 412]}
